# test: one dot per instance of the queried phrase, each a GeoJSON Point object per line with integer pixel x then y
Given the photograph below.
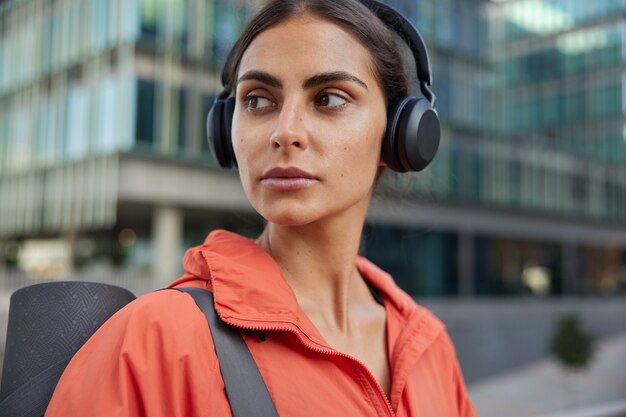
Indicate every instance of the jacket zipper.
{"type": "Point", "coordinates": [319, 349]}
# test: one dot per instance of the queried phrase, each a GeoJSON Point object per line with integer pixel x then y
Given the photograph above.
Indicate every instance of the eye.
{"type": "Point", "coordinates": [330, 100]}
{"type": "Point", "coordinates": [254, 103]}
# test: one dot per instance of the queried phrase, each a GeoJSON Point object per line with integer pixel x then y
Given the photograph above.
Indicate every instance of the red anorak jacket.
{"type": "Point", "coordinates": [155, 357]}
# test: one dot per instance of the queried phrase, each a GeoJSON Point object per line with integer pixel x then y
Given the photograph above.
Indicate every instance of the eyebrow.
{"type": "Point", "coordinates": [313, 81]}
{"type": "Point", "coordinates": [261, 76]}
{"type": "Point", "coordinates": [327, 77]}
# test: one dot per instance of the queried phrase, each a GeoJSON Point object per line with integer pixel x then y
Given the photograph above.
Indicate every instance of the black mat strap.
{"type": "Point", "coordinates": [245, 388]}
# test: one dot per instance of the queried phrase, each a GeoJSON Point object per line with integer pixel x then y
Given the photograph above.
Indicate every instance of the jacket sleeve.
{"type": "Point", "coordinates": [465, 408]}
{"type": "Point", "coordinates": [152, 358]}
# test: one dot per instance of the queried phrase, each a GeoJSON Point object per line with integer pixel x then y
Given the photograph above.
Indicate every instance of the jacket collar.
{"type": "Point", "coordinates": [249, 286]}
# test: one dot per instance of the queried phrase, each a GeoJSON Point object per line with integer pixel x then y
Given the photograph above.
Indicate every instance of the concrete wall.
{"type": "Point", "coordinates": [495, 335]}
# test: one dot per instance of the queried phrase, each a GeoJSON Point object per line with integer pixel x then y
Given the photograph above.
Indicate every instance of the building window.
{"type": "Point", "coordinates": [603, 270]}
{"type": "Point", "coordinates": [580, 190]}
{"type": "Point", "coordinates": [144, 124]}
{"type": "Point", "coordinates": [182, 121]}
{"type": "Point", "coordinates": [149, 19]}
{"type": "Point", "coordinates": [515, 267]}
{"type": "Point", "coordinates": [421, 262]}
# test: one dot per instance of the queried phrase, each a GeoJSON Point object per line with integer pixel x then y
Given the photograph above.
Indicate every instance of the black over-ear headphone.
{"type": "Point", "coordinates": [412, 136]}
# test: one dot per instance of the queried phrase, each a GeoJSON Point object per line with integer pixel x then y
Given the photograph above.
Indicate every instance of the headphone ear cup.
{"type": "Point", "coordinates": [218, 125]}
{"type": "Point", "coordinates": [412, 137]}
{"type": "Point", "coordinates": [229, 152]}
{"type": "Point", "coordinates": [389, 150]}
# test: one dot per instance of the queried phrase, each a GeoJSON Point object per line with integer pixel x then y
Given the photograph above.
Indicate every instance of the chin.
{"type": "Point", "coordinates": [287, 219]}
{"type": "Point", "coordinates": [288, 211]}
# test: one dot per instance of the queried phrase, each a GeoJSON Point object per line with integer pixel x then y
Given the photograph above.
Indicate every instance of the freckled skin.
{"type": "Point", "coordinates": [341, 148]}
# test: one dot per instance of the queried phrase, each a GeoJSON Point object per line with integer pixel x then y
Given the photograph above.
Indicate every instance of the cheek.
{"type": "Point", "coordinates": [357, 161]}
{"type": "Point", "coordinates": [367, 148]}
{"type": "Point", "coordinates": [240, 150]}
{"type": "Point", "coordinates": [237, 137]}
{"type": "Point", "coordinates": [246, 171]}
{"type": "Point", "coordinates": [243, 144]}
{"type": "Point", "coordinates": [249, 137]}
{"type": "Point", "coordinates": [240, 132]}
{"type": "Point", "coordinates": [242, 154]}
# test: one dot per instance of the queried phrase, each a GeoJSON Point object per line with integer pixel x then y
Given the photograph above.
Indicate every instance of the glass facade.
{"type": "Point", "coordinates": [516, 267]}
{"type": "Point", "coordinates": [531, 97]}
{"type": "Point", "coordinates": [181, 46]}
{"type": "Point", "coordinates": [66, 73]}
{"type": "Point", "coordinates": [421, 262]}
{"type": "Point", "coordinates": [81, 80]}
{"type": "Point", "coordinates": [65, 82]}
{"type": "Point", "coordinates": [559, 91]}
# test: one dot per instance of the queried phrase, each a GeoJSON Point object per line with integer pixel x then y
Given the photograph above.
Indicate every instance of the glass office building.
{"type": "Point", "coordinates": [533, 106]}
{"type": "Point", "coordinates": [93, 89]}
{"type": "Point", "coordinates": [559, 109]}
{"type": "Point", "coordinates": [102, 142]}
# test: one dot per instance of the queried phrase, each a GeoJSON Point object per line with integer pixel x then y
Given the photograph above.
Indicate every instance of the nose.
{"type": "Point", "coordinates": [290, 132]}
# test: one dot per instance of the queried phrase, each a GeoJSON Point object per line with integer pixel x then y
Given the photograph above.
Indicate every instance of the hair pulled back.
{"type": "Point", "coordinates": [387, 63]}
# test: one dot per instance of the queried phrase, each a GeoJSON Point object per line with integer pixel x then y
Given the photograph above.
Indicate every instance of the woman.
{"type": "Point", "coordinates": [332, 334]}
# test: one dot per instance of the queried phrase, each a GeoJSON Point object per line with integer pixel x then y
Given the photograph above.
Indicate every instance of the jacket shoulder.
{"type": "Point", "coordinates": [166, 323]}
{"type": "Point", "coordinates": [156, 347]}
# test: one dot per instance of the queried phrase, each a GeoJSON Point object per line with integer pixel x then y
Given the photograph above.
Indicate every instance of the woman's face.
{"type": "Point", "coordinates": [308, 123]}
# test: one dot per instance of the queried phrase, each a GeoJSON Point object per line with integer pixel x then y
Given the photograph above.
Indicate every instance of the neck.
{"type": "Point", "coordinates": [318, 261]}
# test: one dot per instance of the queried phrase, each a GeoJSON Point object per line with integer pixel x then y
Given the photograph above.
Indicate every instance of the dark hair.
{"type": "Point", "coordinates": [388, 65]}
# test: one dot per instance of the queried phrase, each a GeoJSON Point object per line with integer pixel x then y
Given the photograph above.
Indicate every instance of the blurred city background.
{"type": "Point", "coordinates": [106, 175]}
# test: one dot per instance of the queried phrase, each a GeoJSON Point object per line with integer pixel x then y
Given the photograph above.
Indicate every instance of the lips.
{"type": "Point", "coordinates": [287, 179]}
{"type": "Point", "coordinates": [290, 172]}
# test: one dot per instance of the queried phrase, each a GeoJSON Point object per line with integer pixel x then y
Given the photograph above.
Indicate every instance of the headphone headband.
{"type": "Point", "coordinates": [409, 34]}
